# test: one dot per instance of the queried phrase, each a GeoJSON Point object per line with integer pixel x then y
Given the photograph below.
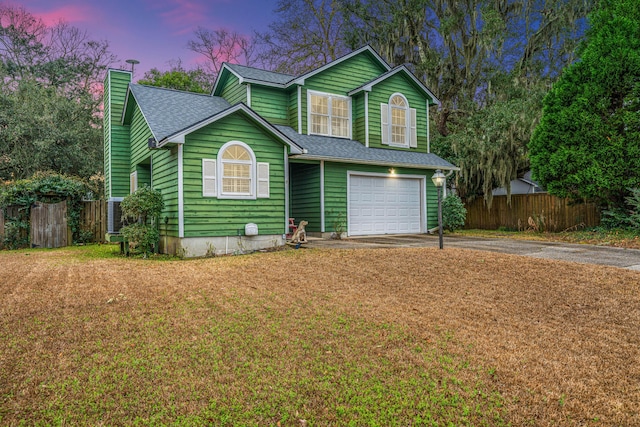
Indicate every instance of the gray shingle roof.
{"type": "Point", "coordinates": [260, 75]}
{"type": "Point", "coordinates": [346, 150]}
{"type": "Point", "coordinates": [170, 111]}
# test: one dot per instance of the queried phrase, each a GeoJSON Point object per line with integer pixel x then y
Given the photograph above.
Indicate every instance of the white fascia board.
{"type": "Point", "coordinates": [224, 67]}
{"type": "Point", "coordinates": [369, 86]}
{"type": "Point", "coordinates": [124, 110]}
{"type": "Point", "coordinates": [300, 80]}
{"type": "Point", "coordinates": [372, 162]}
{"type": "Point", "coordinates": [179, 136]}
{"type": "Point", "coordinates": [126, 102]}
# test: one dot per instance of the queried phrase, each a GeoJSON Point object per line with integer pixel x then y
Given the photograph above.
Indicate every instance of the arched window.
{"type": "Point", "coordinates": [235, 174]}
{"type": "Point", "coordinates": [399, 109]}
{"type": "Point", "coordinates": [236, 167]}
{"type": "Point", "coordinates": [399, 123]}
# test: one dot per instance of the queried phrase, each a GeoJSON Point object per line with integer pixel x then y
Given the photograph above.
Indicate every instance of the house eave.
{"type": "Point", "coordinates": [373, 162]}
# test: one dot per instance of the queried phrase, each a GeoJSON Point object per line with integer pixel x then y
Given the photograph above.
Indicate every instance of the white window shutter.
{"type": "Point", "coordinates": [413, 134]}
{"type": "Point", "coordinates": [133, 182]}
{"type": "Point", "coordinates": [384, 119]}
{"type": "Point", "coordinates": [209, 188]}
{"type": "Point", "coordinates": [263, 180]}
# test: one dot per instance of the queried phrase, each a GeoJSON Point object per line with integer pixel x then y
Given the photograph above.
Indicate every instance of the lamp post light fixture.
{"type": "Point", "coordinates": [439, 179]}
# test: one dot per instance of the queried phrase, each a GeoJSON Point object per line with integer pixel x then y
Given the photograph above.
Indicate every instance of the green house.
{"type": "Point", "coordinates": [344, 147]}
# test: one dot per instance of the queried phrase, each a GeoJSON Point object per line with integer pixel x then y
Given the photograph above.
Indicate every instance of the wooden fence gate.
{"type": "Point", "coordinates": [49, 225]}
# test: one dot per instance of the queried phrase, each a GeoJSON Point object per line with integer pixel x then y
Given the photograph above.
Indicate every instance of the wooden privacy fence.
{"type": "Point", "coordinates": [547, 212]}
{"type": "Point", "coordinates": [93, 220]}
{"type": "Point", "coordinates": [49, 227]}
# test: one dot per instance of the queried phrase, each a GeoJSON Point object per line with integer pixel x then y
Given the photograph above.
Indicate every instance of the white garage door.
{"type": "Point", "coordinates": [384, 205]}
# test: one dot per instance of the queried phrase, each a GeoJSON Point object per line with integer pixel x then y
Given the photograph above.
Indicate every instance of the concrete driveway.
{"type": "Point", "coordinates": [589, 254]}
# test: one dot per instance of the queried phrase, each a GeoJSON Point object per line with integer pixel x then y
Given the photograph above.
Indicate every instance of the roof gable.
{"type": "Point", "coordinates": [172, 114]}
{"type": "Point", "coordinates": [250, 75]}
{"type": "Point", "coordinates": [270, 78]}
{"type": "Point", "coordinates": [168, 111]}
{"type": "Point", "coordinates": [367, 50]}
{"type": "Point", "coordinates": [403, 70]}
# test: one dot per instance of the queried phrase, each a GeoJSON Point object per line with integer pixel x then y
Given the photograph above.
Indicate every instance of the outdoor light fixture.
{"type": "Point", "coordinates": [439, 179]}
{"type": "Point", "coordinates": [133, 63]}
{"type": "Point", "coordinates": [392, 171]}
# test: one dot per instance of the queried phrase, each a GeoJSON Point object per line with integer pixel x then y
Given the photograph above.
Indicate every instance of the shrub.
{"type": "Point", "coordinates": [454, 213]}
{"type": "Point", "coordinates": [144, 205]}
{"type": "Point", "coordinates": [634, 204]}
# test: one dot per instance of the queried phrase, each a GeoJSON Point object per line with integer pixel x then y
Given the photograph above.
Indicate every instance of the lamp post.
{"type": "Point", "coordinates": [438, 179]}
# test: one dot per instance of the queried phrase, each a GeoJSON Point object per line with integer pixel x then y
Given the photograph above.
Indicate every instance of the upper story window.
{"type": "Point", "coordinates": [329, 114]}
{"type": "Point", "coordinates": [398, 122]}
{"type": "Point", "coordinates": [399, 119]}
{"type": "Point", "coordinates": [235, 174]}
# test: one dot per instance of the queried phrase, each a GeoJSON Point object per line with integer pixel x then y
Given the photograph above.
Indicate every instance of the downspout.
{"type": "Point", "coordinates": [180, 192]}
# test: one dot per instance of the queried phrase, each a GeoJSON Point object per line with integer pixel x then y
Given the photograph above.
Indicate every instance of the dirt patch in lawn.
{"type": "Point", "coordinates": [561, 340]}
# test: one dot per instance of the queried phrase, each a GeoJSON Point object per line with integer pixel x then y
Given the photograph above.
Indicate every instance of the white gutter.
{"type": "Point", "coordinates": [375, 162]}
{"type": "Point", "coordinates": [366, 119]}
{"type": "Point", "coordinates": [322, 227]}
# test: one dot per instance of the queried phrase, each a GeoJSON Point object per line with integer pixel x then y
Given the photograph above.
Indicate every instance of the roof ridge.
{"type": "Point", "coordinates": [260, 69]}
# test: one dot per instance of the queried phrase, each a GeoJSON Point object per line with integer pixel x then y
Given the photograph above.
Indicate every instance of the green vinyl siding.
{"type": "Point", "coordinates": [210, 216]}
{"type": "Point", "coordinates": [335, 190]}
{"type": "Point", "coordinates": [357, 107]}
{"type": "Point", "coordinates": [233, 91]}
{"type": "Point", "coordinates": [143, 172]}
{"type": "Point", "coordinates": [270, 103]}
{"type": "Point", "coordinates": [380, 94]}
{"type": "Point", "coordinates": [341, 78]}
{"type": "Point", "coordinates": [165, 179]}
{"type": "Point", "coordinates": [293, 108]}
{"type": "Point", "coordinates": [140, 134]}
{"type": "Point", "coordinates": [116, 136]}
{"type": "Point", "coordinates": [305, 194]}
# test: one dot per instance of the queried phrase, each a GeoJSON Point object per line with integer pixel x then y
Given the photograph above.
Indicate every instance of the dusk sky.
{"type": "Point", "coordinates": [153, 31]}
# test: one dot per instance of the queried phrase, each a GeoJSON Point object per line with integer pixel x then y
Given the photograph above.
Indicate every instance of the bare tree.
{"type": "Point", "coordinates": [222, 45]}
{"type": "Point", "coordinates": [307, 35]}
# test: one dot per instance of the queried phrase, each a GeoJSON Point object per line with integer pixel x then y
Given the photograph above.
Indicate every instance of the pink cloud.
{"type": "Point", "coordinates": [71, 13]}
{"type": "Point", "coordinates": [183, 16]}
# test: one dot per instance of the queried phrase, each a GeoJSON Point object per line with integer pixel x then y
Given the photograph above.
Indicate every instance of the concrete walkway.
{"type": "Point", "coordinates": [589, 254]}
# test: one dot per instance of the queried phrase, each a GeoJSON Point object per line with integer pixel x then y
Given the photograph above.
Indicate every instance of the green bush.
{"type": "Point", "coordinates": [634, 204]}
{"type": "Point", "coordinates": [142, 237]}
{"type": "Point", "coordinates": [626, 217]}
{"type": "Point", "coordinates": [454, 213]}
{"type": "Point", "coordinates": [144, 206]}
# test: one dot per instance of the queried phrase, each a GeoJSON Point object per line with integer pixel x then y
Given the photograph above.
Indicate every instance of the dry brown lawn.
{"type": "Point", "coordinates": [561, 340]}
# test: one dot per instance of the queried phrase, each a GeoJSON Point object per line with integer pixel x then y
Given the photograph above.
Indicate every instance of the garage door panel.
{"type": "Point", "coordinates": [384, 205]}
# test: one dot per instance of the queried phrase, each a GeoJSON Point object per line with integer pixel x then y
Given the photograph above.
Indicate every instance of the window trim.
{"type": "Point", "coordinates": [220, 173]}
{"type": "Point", "coordinates": [329, 97]}
{"type": "Point", "coordinates": [407, 122]}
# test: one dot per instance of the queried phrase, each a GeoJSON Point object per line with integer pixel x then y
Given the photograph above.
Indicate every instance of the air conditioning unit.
{"type": "Point", "coordinates": [114, 216]}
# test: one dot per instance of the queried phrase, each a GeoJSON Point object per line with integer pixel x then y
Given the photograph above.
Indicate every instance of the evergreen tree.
{"type": "Point", "coordinates": [587, 145]}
